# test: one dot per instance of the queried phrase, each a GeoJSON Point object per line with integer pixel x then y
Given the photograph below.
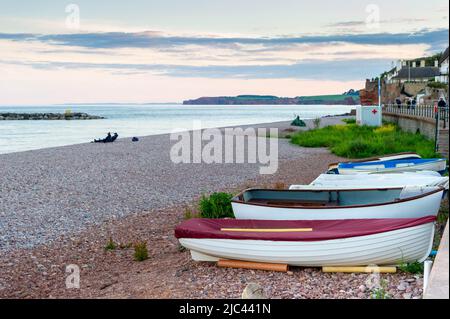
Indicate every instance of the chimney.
{"type": "Point", "coordinates": [436, 63]}
{"type": "Point", "coordinates": [422, 63]}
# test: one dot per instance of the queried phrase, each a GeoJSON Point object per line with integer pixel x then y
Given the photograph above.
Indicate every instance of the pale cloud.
{"type": "Point", "coordinates": [80, 86]}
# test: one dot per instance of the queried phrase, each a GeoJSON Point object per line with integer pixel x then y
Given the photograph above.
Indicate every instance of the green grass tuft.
{"type": "Point", "coordinates": [140, 251]}
{"type": "Point", "coordinates": [217, 205]}
{"type": "Point", "coordinates": [111, 245]}
{"type": "Point", "coordinates": [353, 141]}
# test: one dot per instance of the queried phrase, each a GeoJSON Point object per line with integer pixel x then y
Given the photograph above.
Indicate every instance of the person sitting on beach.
{"type": "Point", "coordinates": [114, 137]}
{"type": "Point", "coordinates": [104, 140]}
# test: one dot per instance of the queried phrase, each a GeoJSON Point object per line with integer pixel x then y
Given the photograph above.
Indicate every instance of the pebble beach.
{"type": "Point", "coordinates": [59, 206]}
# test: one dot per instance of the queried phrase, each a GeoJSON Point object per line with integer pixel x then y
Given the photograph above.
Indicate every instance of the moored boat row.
{"type": "Point", "coordinates": [338, 220]}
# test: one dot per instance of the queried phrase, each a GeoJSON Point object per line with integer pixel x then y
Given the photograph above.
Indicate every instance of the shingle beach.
{"type": "Point", "coordinates": [59, 206]}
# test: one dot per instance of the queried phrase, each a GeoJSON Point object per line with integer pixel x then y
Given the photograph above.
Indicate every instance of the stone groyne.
{"type": "Point", "coordinates": [48, 116]}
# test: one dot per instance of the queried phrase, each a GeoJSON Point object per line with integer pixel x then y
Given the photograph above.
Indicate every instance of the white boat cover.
{"type": "Point", "coordinates": [365, 181]}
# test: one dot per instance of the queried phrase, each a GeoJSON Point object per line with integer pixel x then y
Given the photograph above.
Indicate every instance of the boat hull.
{"type": "Point", "coordinates": [437, 166]}
{"type": "Point", "coordinates": [388, 248]}
{"type": "Point", "coordinates": [415, 208]}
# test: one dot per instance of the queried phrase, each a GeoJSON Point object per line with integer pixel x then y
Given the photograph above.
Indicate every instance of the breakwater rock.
{"type": "Point", "coordinates": [48, 116]}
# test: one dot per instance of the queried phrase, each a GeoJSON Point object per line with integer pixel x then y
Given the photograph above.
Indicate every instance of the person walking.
{"type": "Point", "coordinates": [414, 103]}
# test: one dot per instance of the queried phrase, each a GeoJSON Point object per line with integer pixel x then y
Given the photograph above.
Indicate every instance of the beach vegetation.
{"type": "Point", "coordinates": [216, 205]}
{"type": "Point", "coordinates": [140, 251]}
{"type": "Point", "coordinates": [349, 121]}
{"type": "Point", "coordinates": [111, 245]}
{"type": "Point", "coordinates": [411, 268]}
{"type": "Point", "coordinates": [354, 141]}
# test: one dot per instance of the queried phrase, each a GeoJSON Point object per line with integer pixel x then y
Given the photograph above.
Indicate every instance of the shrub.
{"type": "Point", "coordinates": [412, 268]}
{"type": "Point", "coordinates": [111, 245]}
{"type": "Point", "coordinates": [217, 205]}
{"type": "Point", "coordinates": [140, 251]}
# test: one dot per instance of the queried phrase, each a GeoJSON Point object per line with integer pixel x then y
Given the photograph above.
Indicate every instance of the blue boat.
{"type": "Point", "coordinates": [393, 166]}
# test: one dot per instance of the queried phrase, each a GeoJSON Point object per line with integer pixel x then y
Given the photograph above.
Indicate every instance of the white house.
{"type": "Point", "coordinates": [443, 68]}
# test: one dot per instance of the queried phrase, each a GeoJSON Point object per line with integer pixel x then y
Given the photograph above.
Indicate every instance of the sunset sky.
{"type": "Point", "coordinates": [168, 51]}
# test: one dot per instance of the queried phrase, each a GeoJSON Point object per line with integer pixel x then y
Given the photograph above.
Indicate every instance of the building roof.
{"type": "Point", "coordinates": [418, 73]}
{"type": "Point", "coordinates": [444, 56]}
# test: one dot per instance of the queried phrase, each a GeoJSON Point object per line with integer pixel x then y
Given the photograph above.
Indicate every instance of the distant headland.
{"type": "Point", "coordinates": [348, 98]}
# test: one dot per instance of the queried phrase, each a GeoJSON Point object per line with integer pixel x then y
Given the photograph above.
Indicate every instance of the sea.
{"type": "Point", "coordinates": [130, 120]}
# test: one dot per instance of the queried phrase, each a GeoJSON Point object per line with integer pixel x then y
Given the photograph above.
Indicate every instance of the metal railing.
{"type": "Point", "coordinates": [424, 111]}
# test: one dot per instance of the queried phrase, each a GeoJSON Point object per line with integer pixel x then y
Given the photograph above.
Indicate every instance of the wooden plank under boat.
{"type": "Point", "coordinates": [357, 242]}
{"type": "Point", "coordinates": [267, 204]}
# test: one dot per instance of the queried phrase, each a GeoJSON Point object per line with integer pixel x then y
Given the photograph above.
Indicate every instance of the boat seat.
{"type": "Point", "coordinates": [294, 203]}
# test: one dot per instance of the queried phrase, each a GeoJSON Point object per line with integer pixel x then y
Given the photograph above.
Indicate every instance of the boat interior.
{"type": "Point", "coordinates": [305, 198]}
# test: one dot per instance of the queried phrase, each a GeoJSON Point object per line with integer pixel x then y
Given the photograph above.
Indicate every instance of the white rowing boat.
{"type": "Point", "coordinates": [310, 243]}
{"type": "Point", "coordinates": [393, 166]}
{"type": "Point", "coordinates": [408, 202]}
{"type": "Point", "coordinates": [391, 157]}
{"type": "Point", "coordinates": [368, 181]}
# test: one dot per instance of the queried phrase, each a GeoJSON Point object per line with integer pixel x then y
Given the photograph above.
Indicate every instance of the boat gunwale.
{"type": "Point", "coordinates": [375, 158]}
{"type": "Point", "coordinates": [236, 199]}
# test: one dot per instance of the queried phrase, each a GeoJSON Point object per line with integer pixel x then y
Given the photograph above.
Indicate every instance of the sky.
{"type": "Point", "coordinates": [137, 51]}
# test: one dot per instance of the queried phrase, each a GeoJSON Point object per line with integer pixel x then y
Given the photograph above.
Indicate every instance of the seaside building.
{"type": "Point", "coordinates": [443, 69]}
{"type": "Point", "coordinates": [413, 71]}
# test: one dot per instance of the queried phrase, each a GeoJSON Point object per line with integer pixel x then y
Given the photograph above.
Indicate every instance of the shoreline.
{"type": "Point", "coordinates": [259, 124]}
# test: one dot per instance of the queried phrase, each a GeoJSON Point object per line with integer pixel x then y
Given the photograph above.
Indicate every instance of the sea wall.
{"type": "Point", "coordinates": [47, 116]}
{"type": "Point", "coordinates": [413, 124]}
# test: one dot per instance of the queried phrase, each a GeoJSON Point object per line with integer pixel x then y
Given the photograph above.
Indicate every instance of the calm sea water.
{"type": "Point", "coordinates": [141, 120]}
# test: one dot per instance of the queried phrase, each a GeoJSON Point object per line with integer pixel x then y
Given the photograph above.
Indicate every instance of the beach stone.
{"type": "Point", "coordinates": [407, 296]}
{"type": "Point", "coordinates": [253, 291]}
{"type": "Point", "coordinates": [402, 286]}
{"type": "Point", "coordinates": [362, 288]}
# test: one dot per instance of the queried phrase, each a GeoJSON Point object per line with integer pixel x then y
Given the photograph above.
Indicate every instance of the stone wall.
{"type": "Point", "coordinates": [413, 124]}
